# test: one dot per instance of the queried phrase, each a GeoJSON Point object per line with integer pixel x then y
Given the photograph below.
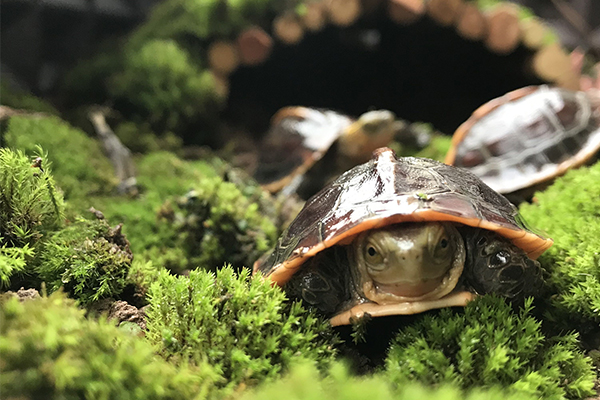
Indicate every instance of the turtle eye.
{"type": "Point", "coordinates": [373, 256]}
{"type": "Point", "coordinates": [500, 259]}
{"type": "Point", "coordinates": [442, 247]}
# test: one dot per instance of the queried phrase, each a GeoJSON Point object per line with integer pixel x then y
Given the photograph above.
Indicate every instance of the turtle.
{"type": "Point", "coordinates": [519, 142]}
{"type": "Point", "coordinates": [403, 235]}
{"type": "Point", "coordinates": [300, 137]}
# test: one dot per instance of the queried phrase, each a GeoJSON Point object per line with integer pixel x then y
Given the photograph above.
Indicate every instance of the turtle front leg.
{"type": "Point", "coordinates": [495, 265]}
{"type": "Point", "coordinates": [323, 282]}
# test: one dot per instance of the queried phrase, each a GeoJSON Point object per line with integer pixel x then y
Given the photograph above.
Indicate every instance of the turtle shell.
{"type": "Point", "coordinates": [386, 191]}
{"type": "Point", "coordinates": [528, 136]}
{"type": "Point", "coordinates": [297, 139]}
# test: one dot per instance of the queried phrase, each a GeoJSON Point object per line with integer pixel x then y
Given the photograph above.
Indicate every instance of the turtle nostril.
{"type": "Point", "coordinates": [511, 273]}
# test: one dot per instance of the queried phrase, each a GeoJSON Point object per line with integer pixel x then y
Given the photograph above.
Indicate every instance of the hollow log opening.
{"type": "Point", "coordinates": [422, 71]}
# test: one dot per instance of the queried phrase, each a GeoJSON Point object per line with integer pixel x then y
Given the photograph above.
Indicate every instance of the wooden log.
{"type": "Point", "coordinates": [315, 16]}
{"type": "Point", "coordinates": [254, 46]}
{"type": "Point", "coordinates": [444, 12]}
{"type": "Point", "coordinates": [343, 12]}
{"type": "Point", "coordinates": [504, 29]}
{"type": "Point", "coordinates": [223, 57]}
{"type": "Point", "coordinates": [288, 29]}
{"type": "Point", "coordinates": [221, 85]}
{"type": "Point", "coordinates": [551, 62]}
{"type": "Point", "coordinates": [405, 12]}
{"type": "Point", "coordinates": [471, 24]}
{"type": "Point", "coordinates": [533, 33]}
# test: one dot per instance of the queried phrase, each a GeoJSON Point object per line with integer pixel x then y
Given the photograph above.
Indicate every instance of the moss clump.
{"type": "Point", "coordinates": [241, 326]}
{"type": "Point", "coordinates": [203, 19]}
{"type": "Point", "coordinates": [79, 166]}
{"type": "Point", "coordinates": [13, 260]}
{"type": "Point", "coordinates": [569, 212]}
{"type": "Point", "coordinates": [139, 138]}
{"type": "Point", "coordinates": [490, 345]}
{"type": "Point", "coordinates": [216, 224]}
{"type": "Point", "coordinates": [30, 208]}
{"type": "Point", "coordinates": [22, 100]}
{"type": "Point", "coordinates": [51, 351]}
{"type": "Point", "coordinates": [163, 84]}
{"type": "Point", "coordinates": [437, 149]}
{"type": "Point", "coordinates": [88, 258]}
{"type": "Point", "coordinates": [305, 383]}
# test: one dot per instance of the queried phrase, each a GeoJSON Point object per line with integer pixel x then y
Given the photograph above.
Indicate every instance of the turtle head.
{"type": "Point", "coordinates": [374, 129]}
{"type": "Point", "coordinates": [409, 262]}
{"type": "Point", "coordinates": [495, 265]}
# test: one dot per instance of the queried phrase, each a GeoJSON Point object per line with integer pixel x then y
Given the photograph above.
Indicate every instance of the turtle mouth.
{"type": "Point", "coordinates": [410, 291]}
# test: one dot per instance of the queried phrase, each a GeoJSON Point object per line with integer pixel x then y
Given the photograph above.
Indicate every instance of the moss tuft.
{"type": "Point", "coordinates": [21, 100]}
{"type": "Point", "coordinates": [242, 326]}
{"type": "Point", "coordinates": [79, 166]}
{"type": "Point", "coordinates": [88, 258]}
{"type": "Point", "coordinates": [569, 212]}
{"type": "Point", "coordinates": [305, 383]}
{"type": "Point", "coordinates": [164, 85]}
{"type": "Point", "coordinates": [49, 350]}
{"type": "Point", "coordinates": [29, 203]}
{"type": "Point", "coordinates": [216, 223]}
{"type": "Point", "coordinates": [490, 345]}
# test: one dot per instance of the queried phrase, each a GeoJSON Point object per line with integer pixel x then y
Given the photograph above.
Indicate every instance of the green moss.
{"type": "Point", "coordinates": [22, 100]}
{"type": "Point", "coordinates": [490, 345]}
{"type": "Point", "coordinates": [13, 260]}
{"type": "Point", "coordinates": [437, 149]}
{"type": "Point", "coordinates": [79, 166]}
{"type": "Point", "coordinates": [216, 223]}
{"type": "Point", "coordinates": [161, 176]}
{"type": "Point", "coordinates": [203, 19]}
{"type": "Point", "coordinates": [50, 351]}
{"type": "Point", "coordinates": [30, 206]}
{"type": "Point", "coordinates": [164, 85]}
{"type": "Point", "coordinates": [139, 138]}
{"type": "Point", "coordinates": [88, 259]}
{"type": "Point", "coordinates": [569, 212]}
{"type": "Point", "coordinates": [241, 326]}
{"type": "Point", "coordinates": [305, 383]}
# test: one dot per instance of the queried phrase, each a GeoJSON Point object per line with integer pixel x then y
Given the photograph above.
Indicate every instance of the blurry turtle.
{"type": "Point", "coordinates": [402, 236]}
{"type": "Point", "coordinates": [519, 142]}
{"type": "Point", "coordinates": [307, 147]}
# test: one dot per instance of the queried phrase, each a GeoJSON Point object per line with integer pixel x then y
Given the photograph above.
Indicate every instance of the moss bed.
{"type": "Point", "coordinates": [150, 295]}
{"type": "Point", "coordinates": [179, 251]}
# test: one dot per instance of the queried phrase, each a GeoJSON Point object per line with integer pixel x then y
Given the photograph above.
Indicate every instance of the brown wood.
{"type": "Point", "coordinates": [533, 33]}
{"type": "Point", "coordinates": [504, 29]}
{"type": "Point", "coordinates": [551, 62]}
{"type": "Point", "coordinates": [221, 85]}
{"type": "Point", "coordinates": [223, 57]}
{"type": "Point", "coordinates": [254, 46]}
{"type": "Point", "coordinates": [315, 17]}
{"type": "Point", "coordinates": [288, 29]}
{"type": "Point", "coordinates": [471, 23]}
{"type": "Point", "coordinates": [444, 12]}
{"type": "Point", "coordinates": [343, 12]}
{"type": "Point", "coordinates": [405, 11]}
